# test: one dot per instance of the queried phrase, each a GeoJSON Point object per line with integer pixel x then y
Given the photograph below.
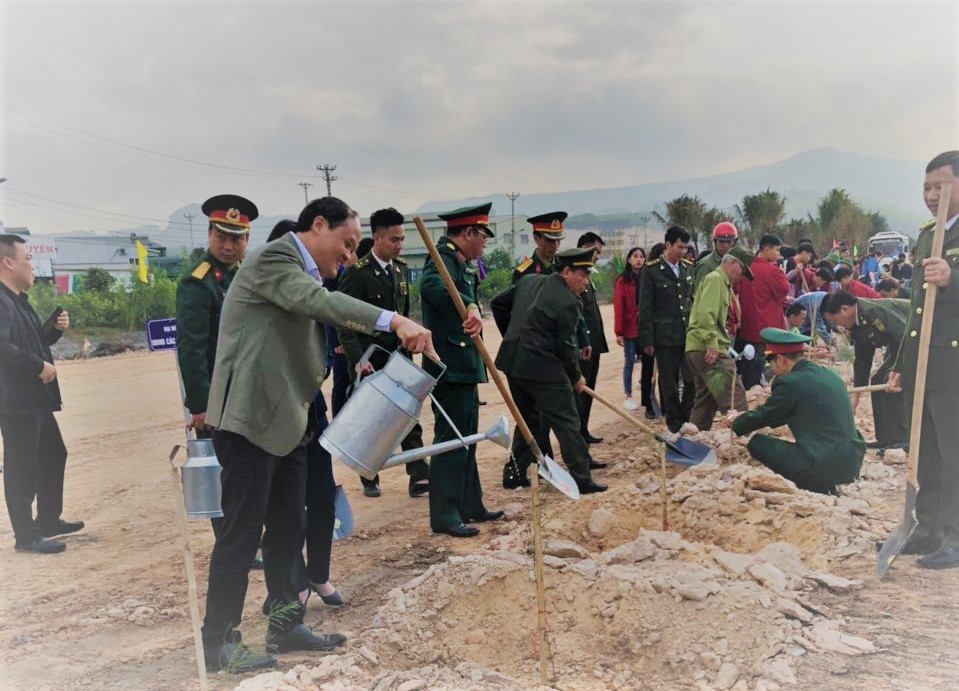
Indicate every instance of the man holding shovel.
{"type": "Point", "coordinates": [707, 341]}
{"type": "Point", "coordinates": [541, 362]}
{"type": "Point", "coordinates": [937, 503]}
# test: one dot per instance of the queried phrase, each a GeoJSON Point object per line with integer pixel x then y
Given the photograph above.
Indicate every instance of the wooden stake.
{"type": "Point", "coordinates": [527, 437]}
{"type": "Point", "coordinates": [190, 571]}
{"type": "Point", "coordinates": [665, 493]}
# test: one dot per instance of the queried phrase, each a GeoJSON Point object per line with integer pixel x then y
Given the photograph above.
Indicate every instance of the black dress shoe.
{"type": "Point", "coordinates": [650, 415]}
{"type": "Point", "coordinates": [418, 488]}
{"type": "Point", "coordinates": [596, 465]}
{"type": "Point", "coordinates": [460, 530]}
{"type": "Point", "coordinates": [513, 476]}
{"type": "Point", "coordinates": [875, 444]}
{"type": "Point", "coordinates": [41, 546]}
{"type": "Point", "coordinates": [371, 490]}
{"type": "Point", "coordinates": [61, 527]}
{"type": "Point", "coordinates": [590, 487]}
{"type": "Point", "coordinates": [235, 658]}
{"type": "Point", "coordinates": [513, 483]}
{"type": "Point", "coordinates": [915, 545]}
{"type": "Point", "coordinates": [486, 517]}
{"type": "Point", "coordinates": [301, 638]}
{"type": "Point", "coordinates": [945, 557]}
{"type": "Point", "coordinates": [590, 439]}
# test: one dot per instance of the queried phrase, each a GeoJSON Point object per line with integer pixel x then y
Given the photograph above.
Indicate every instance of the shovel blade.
{"type": "Point", "coordinates": [558, 477]}
{"type": "Point", "coordinates": [686, 452]}
{"type": "Point", "coordinates": [895, 542]}
{"type": "Point", "coordinates": [654, 403]}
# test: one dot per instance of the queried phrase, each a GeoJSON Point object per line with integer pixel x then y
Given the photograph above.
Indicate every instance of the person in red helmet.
{"type": "Point", "coordinates": [725, 236]}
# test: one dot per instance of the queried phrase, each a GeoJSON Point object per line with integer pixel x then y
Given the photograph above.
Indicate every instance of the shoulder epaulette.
{"type": "Point", "coordinates": [450, 246]}
{"type": "Point", "coordinates": [928, 225]}
{"type": "Point", "coordinates": [362, 261]}
{"type": "Point", "coordinates": [400, 260]}
{"type": "Point", "coordinates": [525, 265]}
{"type": "Point", "coordinates": [654, 262]}
{"type": "Point", "coordinates": [687, 262]}
{"type": "Point", "coordinates": [201, 271]}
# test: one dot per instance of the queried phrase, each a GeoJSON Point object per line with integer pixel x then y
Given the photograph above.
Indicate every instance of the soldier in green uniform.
{"type": "Point", "coordinates": [937, 505]}
{"type": "Point", "coordinates": [592, 341]}
{"type": "Point", "coordinates": [665, 298]}
{"type": "Point", "coordinates": [725, 236]}
{"type": "Point", "coordinates": [812, 400]}
{"type": "Point", "coordinates": [382, 278]}
{"type": "Point", "coordinates": [548, 231]}
{"type": "Point", "coordinates": [199, 299]}
{"type": "Point", "coordinates": [873, 324]}
{"type": "Point", "coordinates": [456, 496]}
{"type": "Point", "coordinates": [707, 340]}
{"type": "Point", "coordinates": [541, 361]}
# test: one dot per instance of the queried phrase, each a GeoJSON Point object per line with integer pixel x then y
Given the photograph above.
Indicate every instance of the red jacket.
{"type": "Point", "coordinates": [626, 309]}
{"type": "Point", "coordinates": [763, 300]}
{"type": "Point", "coordinates": [861, 290]}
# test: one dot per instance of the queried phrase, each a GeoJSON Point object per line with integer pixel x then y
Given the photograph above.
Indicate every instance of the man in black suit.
{"type": "Point", "coordinates": [34, 455]}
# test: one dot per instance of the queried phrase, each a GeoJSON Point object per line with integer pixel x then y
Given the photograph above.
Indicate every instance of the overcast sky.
{"type": "Point", "coordinates": [127, 108]}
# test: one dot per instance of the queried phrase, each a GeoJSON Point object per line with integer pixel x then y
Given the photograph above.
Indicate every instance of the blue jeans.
{"type": "Point", "coordinates": [632, 351]}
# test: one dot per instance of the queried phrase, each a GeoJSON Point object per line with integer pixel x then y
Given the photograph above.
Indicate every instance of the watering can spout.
{"type": "Point", "coordinates": [498, 434]}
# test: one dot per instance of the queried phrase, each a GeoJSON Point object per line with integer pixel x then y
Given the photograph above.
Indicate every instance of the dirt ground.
{"type": "Point", "coordinates": [111, 612]}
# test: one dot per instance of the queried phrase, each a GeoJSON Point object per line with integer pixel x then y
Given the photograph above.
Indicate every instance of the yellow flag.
{"type": "Point", "coordinates": [142, 263]}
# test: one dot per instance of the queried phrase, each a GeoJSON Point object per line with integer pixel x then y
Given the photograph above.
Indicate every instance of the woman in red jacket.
{"type": "Point", "coordinates": [626, 320]}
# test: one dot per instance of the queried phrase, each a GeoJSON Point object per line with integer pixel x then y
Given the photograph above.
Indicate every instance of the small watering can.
{"type": "Point", "coordinates": [201, 480]}
{"type": "Point", "coordinates": [383, 408]}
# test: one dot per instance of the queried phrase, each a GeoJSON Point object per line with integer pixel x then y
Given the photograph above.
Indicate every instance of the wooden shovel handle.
{"type": "Point", "coordinates": [925, 335]}
{"type": "Point", "coordinates": [623, 414]}
{"type": "Point", "coordinates": [867, 389]}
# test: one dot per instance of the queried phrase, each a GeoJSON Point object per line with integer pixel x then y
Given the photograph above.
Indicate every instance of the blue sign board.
{"type": "Point", "coordinates": [161, 334]}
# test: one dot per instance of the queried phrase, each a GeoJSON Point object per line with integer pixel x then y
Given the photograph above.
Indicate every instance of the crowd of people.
{"type": "Point", "coordinates": [258, 334]}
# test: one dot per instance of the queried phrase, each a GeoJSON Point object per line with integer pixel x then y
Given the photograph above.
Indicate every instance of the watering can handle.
{"type": "Point", "coordinates": [365, 359]}
{"type": "Point", "coordinates": [438, 363]}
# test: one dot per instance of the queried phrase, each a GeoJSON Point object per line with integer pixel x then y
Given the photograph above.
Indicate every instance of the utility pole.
{"type": "Point", "coordinates": [512, 222]}
{"type": "Point", "coordinates": [326, 169]}
{"type": "Point", "coordinates": [304, 185]}
{"type": "Point", "coordinates": [190, 218]}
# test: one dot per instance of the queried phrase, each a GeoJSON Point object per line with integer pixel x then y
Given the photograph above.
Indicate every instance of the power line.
{"type": "Point", "coordinates": [512, 221]}
{"type": "Point", "coordinates": [326, 169]}
{"type": "Point", "coordinates": [305, 185]}
{"type": "Point", "coordinates": [190, 218]}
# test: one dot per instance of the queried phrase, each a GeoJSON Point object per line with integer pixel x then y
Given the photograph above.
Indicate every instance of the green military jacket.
{"type": "Point", "coordinates": [464, 364]}
{"type": "Point", "coordinates": [532, 266]}
{"type": "Point", "coordinates": [879, 324]}
{"type": "Point", "coordinates": [540, 343]}
{"type": "Point", "coordinates": [664, 304]}
{"type": "Point", "coordinates": [271, 359]}
{"type": "Point", "coordinates": [704, 267]}
{"type": "Point", "coordinates": [707, 319]}
{"type": "Point", "coordinates": [594, 335]}
{"type": "Point", "coordinates": [199, 299]}
{"type": "Point", "coordinates": [366, 280]}
{"type": "Point", "coordinates": [799, 400]}
{"type": "Point", "coordinates": [943, 374]}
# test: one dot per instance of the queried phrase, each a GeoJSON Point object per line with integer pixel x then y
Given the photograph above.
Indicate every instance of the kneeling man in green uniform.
{"type": "Point", "coordinates": [812, 400]}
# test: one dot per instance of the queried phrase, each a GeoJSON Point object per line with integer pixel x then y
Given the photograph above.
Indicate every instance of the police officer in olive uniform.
{"type": "Point", "coordinates": [812, 400]}
{"type": "Point", "coordinates": [382, 278]}
{"type": "Point", "coordinates": [874, 324]}
{"type": "Point", "coordinates": [592, 341]}
{"type": "Point", "coordinates": [937, 504]}
{"type": "Point", "coordinates": [548, 231]}
{"type": "Point", "coordinates": [199, 299]}
{"type": "Point", "coordinates": [665, 299]}
{"type": "Point", "coordinates": [540, 358]}
{"type": "Point", "coordinates": [456, 496]}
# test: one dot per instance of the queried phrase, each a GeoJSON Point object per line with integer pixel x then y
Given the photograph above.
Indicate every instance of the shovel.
{"type": "Point", "coordinates": [871, 388]}
{"type": "Point", "coordinates": [895, 542]}
{"type": "Point", "coordinates": [653, 396]}
{"type": "Point", "coordinates": [680, 451]}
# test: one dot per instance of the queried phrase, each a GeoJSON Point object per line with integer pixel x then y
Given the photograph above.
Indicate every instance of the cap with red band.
{"type": "Point", "coordinates": [230, 213]}
{"type": "Point", "coordinates": [469, 216]}
{"type": "Point", "coordinates": [550, 224]}
{"type": "Point", "coordinates": [780, 341]}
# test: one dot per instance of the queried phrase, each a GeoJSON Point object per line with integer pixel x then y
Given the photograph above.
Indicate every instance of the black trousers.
{"type": "Point", "coordinates": [259, 490]}
{"type": "Point", "coordinates": [584, 402]}
{"type": "Point", "coordinates": [889, 412]}
{"type": "Point", "coordinates": [937, 504]}
{"type": "Point", "coordinates": [750, 371]}
{"type": "Point", "coordinates": [672, 365]}
{"type": "Point", "coordinates": [34, 460]}
{"type": "Point", "coordinates": [320, 515]}
{"type": "Point", "coordinates": [418, 469]}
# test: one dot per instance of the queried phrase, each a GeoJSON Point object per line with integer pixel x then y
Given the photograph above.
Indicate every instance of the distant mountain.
{"type": "Point", "coordinates": [891, 187]}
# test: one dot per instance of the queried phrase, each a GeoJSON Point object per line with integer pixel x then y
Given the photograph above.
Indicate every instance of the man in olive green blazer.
{"type": "Point", "coordinates": [270, 362]}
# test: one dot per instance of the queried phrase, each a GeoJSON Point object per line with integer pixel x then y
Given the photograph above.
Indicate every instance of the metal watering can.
{"type": "Point", "coordinates": [200, 477]}
{"type": "Point", "coordinates": [382, 410]}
